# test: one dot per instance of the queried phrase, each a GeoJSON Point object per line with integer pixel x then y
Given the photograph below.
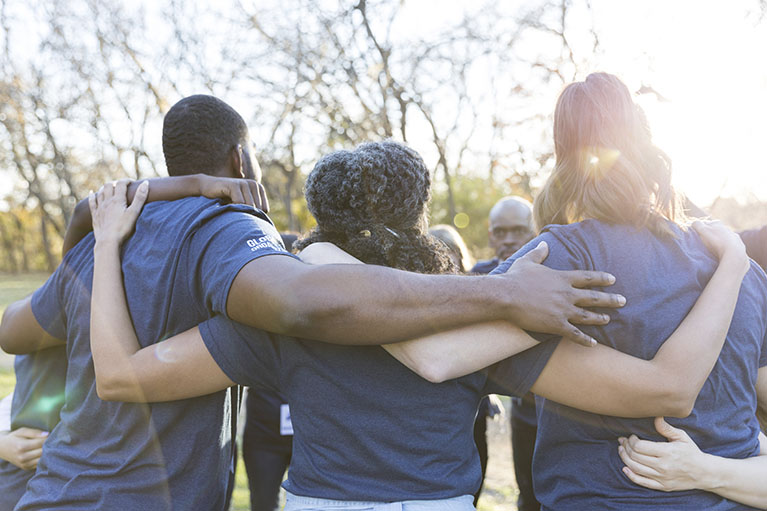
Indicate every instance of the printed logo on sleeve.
{"type": "Point", "coordinates": [263, 242]}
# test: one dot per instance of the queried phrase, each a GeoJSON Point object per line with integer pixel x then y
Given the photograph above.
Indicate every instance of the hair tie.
{"type": "Point", "coordinates": [392, 232]}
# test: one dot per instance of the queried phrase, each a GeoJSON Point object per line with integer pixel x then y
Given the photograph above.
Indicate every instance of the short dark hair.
{"type": "Point", "coordinates": [197, 134]}
{"type": "Point", "coordinates": [372, 202]}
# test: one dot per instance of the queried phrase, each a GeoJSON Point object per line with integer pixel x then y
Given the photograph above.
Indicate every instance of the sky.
{"type": "Point", "coordinates": [705, 57]}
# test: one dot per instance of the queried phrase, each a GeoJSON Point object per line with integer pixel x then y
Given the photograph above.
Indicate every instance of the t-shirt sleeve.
{"type": "Point", "coordinates": [515, 375]}
{"type": "Point", "coordinates": [219, 249]}
{"type": "Point", "coordinates": [248, 356]}
{"type": "Point", "coordinates": [48, 307]}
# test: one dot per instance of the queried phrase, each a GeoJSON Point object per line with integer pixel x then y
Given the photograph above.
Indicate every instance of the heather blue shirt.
{"type": "Point", "coordinates": [576, 464]}
{"type": "Point", "coordinates": [178, 268]}
{"type": "Point", "coordinates": [366, 428]}
{"type": "Point", "coordinates": [37, 399]}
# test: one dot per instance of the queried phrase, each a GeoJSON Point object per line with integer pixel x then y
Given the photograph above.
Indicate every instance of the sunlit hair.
{"type": "Point", "coordinates": [607, 167]}
{"type": "Point", "coordinates": [448, 235]}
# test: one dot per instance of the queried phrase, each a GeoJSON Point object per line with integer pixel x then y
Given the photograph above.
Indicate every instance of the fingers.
{"type": "Point", "coordinates": [538, 254]}
{"type": "Point", "coordinates": [237, 196]}
{"type": "Point", "coordinates": [31, 459]}
{"type": "Point", "coordinates": [587, 317]}
{"type": "Point", "coordinates": [651, 462]}
{"type": "Point", "coordinates": [646, 447]}
{"type": "Point", "coordinates": [637, 466]}
{"type": "Point", "coordinates": [30, 433]}
{"type": "Point", "coordinates": [138, 200]}
{"type": "Point", "coordinates": [247, 194]}
{"type": "Point", "coordinates": [592, 298]}
{"type": "Point", "coordinates": [92, 204]}
{"type": "Point", "coordinates": [582, 278]}
{"type": "Point", "coordinates": [572, 333]}
{"type": "Point", "coordinates": [259, 193]}
{"type": "Point", "coordinates": [643, 481]}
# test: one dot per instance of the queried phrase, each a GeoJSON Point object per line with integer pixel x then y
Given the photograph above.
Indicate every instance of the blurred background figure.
{"type": "Point", "coordinates": [267, 441]}
{"type": "Point", "coordinates": [459, 252]}
{"type": "Point", "coordinates": [510, 227]}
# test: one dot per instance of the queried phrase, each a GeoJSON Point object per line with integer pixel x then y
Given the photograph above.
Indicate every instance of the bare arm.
{"type": "Point", "coordinates": [177, 368]}
{"type": "Point", "coordinates": [680, 465]}
{"type": "Point", "coordinates": [239, 191]}
{"type": "Point", "coordinates": [342, 303]}
{"type": "Point", "coordinates": [21, 333]}
{"type": "Point", "coordinates": [600, 379]}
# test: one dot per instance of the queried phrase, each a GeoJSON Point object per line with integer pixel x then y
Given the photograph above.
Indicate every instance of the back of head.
{"type": "Point", "coordinates": [198, 134]}
{"type": "Point", "coordinates": [372, 202]}
{"type": "Point", "coordinates": [607, 167]}
{"type": "Point", "coordinates": [459, 252]}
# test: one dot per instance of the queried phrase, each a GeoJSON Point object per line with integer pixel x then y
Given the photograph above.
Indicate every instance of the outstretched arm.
{"type": "Point", "coordinates": [680, 465]}
{"type": "Point", "coordinates": [600, 379]}
{"type": "Point", "coordinates": [238, 191]}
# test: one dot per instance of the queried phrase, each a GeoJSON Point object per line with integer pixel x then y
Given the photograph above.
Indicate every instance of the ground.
{"type": "Point", "coordinates": [499, 493]}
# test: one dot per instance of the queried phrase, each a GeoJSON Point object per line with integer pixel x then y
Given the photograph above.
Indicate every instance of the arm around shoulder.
{"type": "Point", "coordinates": [20, 332]}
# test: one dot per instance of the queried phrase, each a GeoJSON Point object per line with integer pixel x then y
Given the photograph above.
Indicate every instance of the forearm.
{"type": "Point", "coordinates": [458, 352]}
{"type": "Point", "coordinates": [701, 335]}
{"type": "Point", "coordinates": [356, 304]}
{"type": "Point", "coordinates": [113, 339]}
{"type": "Point", "coordinates": [161, 189]}
{"type": "Point", "coordinates": [735, 479]}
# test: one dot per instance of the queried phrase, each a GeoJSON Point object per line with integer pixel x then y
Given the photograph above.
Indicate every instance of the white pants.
{"type": "Point", "coordinates": [298, 503]}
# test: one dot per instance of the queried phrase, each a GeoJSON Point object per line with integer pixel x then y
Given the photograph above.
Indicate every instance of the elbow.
{"type": "Point", "coordinates": [676, 402]}
{"type": "Point", "coordinates": [112, 388]}
{"type": "Point", "coordinates": [431, 369]}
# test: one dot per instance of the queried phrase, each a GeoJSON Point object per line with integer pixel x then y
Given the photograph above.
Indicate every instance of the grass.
{"type": "Point", "coordinates": [499, 492]}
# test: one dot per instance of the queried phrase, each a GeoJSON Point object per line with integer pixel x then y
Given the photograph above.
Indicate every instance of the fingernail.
{"type": "Point", "coordinates": [621, 299]}
{"type": "Point", "coordinates": [611, 278]}
{"type": "Point", "coordinates": [592, 342]}
{"type": "Point", "coordinates": [44, 433]}
{"type": "Point", "coordinates": [144, 185]}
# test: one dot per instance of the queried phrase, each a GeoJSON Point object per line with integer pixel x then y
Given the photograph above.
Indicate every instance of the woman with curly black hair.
{"type": "Point", "coordinates": [372, 202]}
{"type": "Point", "coordinates": [370, 434]}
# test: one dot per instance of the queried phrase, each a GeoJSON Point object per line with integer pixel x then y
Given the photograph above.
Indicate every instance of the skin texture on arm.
{"type": "Point", "coordinates": [343, 304]}
{"type": "Point", "coordinates": [238, 191]}
{"type": "Point", "coordinates": [21, 333]}
{"type": "Point", "coordinates": [600, 379]}
{"type": "Point", "coordinates": [123, 370]}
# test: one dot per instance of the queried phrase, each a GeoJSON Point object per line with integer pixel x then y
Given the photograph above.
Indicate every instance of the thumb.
{"type": "Point", "coordinates": [139, 198]}
{"type": "Point", "coordinates": [670, 432]}
{"type": "Point", "coordinates": [538, 254]}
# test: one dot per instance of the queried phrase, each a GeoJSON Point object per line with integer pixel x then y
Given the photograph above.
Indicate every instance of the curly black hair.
{"type": "Point", "coordinates": [197, 134]}
{"type": "Point", "coordinates": [372, 202]}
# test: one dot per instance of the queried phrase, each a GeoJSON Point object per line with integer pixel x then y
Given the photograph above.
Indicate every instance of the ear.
{"type": "Point", "coordinates": [236, 162]}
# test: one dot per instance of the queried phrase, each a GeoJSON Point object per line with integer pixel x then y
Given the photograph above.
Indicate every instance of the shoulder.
{"type": "Point", "coordinates": [485, 266]}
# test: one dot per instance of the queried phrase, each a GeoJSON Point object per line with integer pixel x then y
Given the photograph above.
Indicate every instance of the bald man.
{"type": "Point", "coordinates": [510, 227]}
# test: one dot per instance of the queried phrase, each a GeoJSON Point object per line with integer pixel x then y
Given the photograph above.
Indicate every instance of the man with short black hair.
{"type": "Point", "coordinates": [193, 258]}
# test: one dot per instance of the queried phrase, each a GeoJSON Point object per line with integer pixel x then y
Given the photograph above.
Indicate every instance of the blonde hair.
{"type": "Point", "coordinates": [607, 167]}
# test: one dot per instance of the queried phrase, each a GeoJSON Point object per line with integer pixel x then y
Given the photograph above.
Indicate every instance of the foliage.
{"type": "Point", "coordinates": [84, 100]}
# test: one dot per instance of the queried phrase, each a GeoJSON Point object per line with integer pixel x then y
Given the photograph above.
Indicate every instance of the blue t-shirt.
{"type": "Point", "coordinates": [576, 464]}
{"type": "Point", "coordinates": [37, 400]}
{"type": "Point", "coordinates": [366, 428]}
{"type": "Point", "coordinates": [178, 268]}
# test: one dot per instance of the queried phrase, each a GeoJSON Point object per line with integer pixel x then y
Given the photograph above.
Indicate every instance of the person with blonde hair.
{"type": "Point", "coordinates": [609, 203]}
